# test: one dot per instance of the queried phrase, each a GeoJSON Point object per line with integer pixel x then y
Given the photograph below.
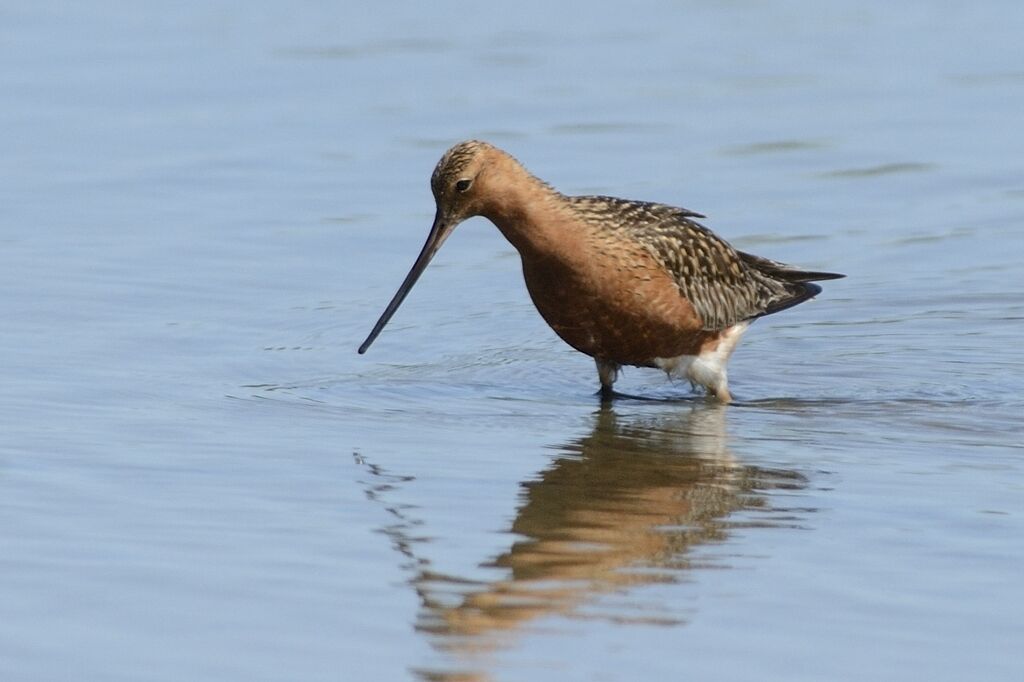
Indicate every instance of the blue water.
{"type": "Point", "coordinates": [204, 207]}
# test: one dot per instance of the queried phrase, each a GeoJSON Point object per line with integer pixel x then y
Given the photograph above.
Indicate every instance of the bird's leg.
{"type": "Point", "coordinates": [607, 372]}
{"type": "Point", "coordinates": [722, 393]}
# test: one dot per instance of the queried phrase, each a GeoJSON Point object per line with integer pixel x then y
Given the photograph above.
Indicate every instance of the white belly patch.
{"type": "Point", "coordinates": [709, 368]}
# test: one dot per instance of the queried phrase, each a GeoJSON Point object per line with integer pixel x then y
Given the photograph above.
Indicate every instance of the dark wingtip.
{"type": "Point", "coordinates": [821, 276]}
{"type": "Point", "coordinates": [800, 276]}
{"type": "Point", "coordinates": [800, 292]}
{"type": "Point", "coordinates": [785, 272]}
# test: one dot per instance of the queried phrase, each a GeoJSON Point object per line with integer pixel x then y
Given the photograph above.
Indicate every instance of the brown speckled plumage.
{"type": "Point", "coordinates": [627, 282]}
{"type": "Point", "coordinates": [724, 285]}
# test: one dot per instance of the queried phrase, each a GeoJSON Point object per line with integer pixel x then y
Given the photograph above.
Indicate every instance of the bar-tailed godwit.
{"type": "Point", "coordinates": [626, 282]}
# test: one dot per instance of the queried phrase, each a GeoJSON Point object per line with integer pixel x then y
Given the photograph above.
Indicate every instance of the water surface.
{"type": "Point", "coordinates": [204, 209]}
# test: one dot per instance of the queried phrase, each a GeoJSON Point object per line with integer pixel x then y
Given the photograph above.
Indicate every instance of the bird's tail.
{"type": "Point", "coordinates": [797, 284]}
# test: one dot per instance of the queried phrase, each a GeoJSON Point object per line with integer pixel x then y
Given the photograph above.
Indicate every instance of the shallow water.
{"type": "Point", "coordinates": [204, 209]}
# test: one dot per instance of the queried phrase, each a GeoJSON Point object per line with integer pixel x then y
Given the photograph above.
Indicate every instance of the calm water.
{"type": "Point", "coordinates": [204, 208]}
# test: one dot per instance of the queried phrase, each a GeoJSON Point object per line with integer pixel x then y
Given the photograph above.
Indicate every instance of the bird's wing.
{"type": "Point", "coordinates": [724, 286]}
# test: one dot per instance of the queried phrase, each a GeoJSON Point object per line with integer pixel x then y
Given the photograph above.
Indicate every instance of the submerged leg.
{"type": "Point", "coordinates": [722, 392]}
{"type": "Point", "coordinates": [607, 372]}
{"type": "Point", "coordinates": [710, 366]}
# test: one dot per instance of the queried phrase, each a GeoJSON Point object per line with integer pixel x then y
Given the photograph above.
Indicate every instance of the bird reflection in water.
{"type": "Point", "coordinates": [622, 507]}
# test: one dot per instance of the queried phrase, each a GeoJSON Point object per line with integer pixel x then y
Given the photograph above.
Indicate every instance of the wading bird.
{"type": "Point", "coordinates": [626, 282]}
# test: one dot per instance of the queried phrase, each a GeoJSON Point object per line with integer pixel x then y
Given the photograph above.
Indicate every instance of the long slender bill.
{"type": "Point", "coordinates": [439, 231]}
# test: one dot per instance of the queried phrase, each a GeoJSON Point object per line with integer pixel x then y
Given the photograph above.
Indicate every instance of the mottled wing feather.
{"type": "Point", "coordinates": [720, 284]}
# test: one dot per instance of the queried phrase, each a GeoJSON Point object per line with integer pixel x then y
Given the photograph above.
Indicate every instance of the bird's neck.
{"type": "Point", "coordinates": [532, 215]}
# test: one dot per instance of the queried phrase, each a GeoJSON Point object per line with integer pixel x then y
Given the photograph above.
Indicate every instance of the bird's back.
{"type": "Point", "coordinates": [724, 285]}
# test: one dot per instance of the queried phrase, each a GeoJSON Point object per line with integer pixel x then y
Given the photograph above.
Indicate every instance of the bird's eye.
{"type": "Point", "coordinates": [463, 184]}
